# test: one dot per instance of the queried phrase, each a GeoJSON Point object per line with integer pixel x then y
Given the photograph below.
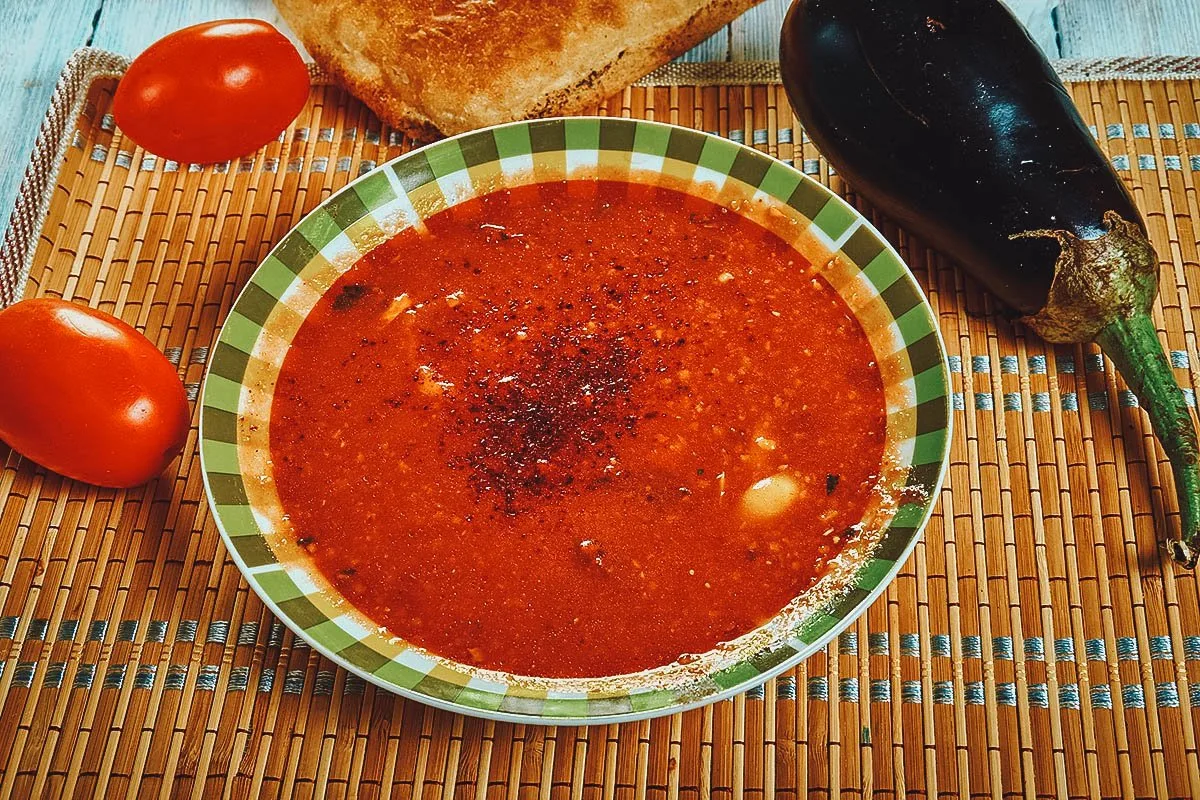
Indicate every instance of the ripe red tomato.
{"type": "Point", "coordinates": [87, 396]}
{"type": "Point", "coordinates": [212, 92]}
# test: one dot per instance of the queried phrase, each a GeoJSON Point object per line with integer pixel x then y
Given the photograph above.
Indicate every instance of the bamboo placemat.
{"type": "Point", "coordinates": [1037, 644]}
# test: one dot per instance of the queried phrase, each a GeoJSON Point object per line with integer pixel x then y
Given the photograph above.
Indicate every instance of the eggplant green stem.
{"type": "Point", "coordinates": [1132, 344]}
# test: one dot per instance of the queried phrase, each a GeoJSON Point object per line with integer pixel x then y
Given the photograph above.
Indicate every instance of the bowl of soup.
{"type": "Point", "coordinates": [575, 420]}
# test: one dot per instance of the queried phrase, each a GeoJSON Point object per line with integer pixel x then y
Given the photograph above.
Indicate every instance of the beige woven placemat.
{"type": "Point", "coordinates": [1035, 645]}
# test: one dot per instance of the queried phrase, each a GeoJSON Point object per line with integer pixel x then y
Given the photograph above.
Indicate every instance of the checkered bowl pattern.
{"type": "Point", "coordinates": [860, 265]}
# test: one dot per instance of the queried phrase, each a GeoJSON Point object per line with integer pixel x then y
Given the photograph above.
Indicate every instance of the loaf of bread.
{"type": "Point", "coordinates": [429, 66]}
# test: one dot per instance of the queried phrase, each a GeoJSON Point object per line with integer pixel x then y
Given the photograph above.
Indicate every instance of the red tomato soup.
{"type": "Point", "coordinates": [577, 429]}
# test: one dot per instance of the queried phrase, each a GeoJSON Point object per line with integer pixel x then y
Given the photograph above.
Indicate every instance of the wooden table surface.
{"type": "Point", "coordinates": [41, 36]}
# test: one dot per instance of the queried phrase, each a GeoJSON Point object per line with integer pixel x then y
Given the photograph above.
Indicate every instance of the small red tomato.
{"type": "Point", "coordinates": [212, 92]}
{"type": "Point", "coordinates": [87, 396]}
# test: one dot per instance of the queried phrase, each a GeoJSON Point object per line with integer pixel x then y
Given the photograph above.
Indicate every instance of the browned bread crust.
{"type": "Point", "coordinates": [452, 65]}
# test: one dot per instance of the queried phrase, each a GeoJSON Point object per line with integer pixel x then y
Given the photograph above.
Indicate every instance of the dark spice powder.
{"type": "Point", "coordinates": [562, 407]}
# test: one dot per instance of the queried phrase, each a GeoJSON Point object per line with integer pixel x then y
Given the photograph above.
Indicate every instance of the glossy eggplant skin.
{"type": "Point", "coordinates": [946, 116]}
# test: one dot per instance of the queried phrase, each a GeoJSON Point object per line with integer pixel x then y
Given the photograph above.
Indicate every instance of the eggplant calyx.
{"type": "Point", "coordinates": [1181, 552]}
{"type": "Point", "coordinates": [1096, 280]}
{"type": "Point", "coordinates": [1132, 344]}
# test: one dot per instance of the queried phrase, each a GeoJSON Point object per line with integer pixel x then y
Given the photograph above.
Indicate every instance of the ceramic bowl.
{"type": "Point", "coordinates": [850, 254]}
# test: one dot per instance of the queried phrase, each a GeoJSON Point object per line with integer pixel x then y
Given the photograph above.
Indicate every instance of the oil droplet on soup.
{"type": "Point", "coordinates": [577, 429]}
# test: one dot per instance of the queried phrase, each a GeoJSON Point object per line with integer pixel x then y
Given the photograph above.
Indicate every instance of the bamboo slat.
{"type": "Point", "coordinates": [1035, 645]}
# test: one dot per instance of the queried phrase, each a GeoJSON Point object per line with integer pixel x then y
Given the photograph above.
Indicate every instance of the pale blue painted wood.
{"type": "Point", "coordinates": [129, 26]}
{"type": "Point", "coordinates": [38, 39]}
{"type": "Point", "coordinates": [714, 48]}
{"type": "Point", "coordinates": [754, 36]}
{"type": "Point", "coordinates": [1106, 28]}
{"type": "Point", "coordinates": [39, 36]}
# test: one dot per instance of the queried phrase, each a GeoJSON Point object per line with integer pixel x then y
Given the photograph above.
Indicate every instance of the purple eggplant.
{"type": "Point", "coordinates": [945, 115]}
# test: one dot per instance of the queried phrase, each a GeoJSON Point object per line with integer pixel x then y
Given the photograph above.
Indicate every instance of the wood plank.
{"type": "Point", "coordinates": [1108, 28]}
{"type": "Point", "coordinates": [129, 26]}
{"type": "Point", "coordinates": [40, 37]}
{"type": "Point", "coordinates": [754, 36]}
{"type": "Point", "coordinates": [714, 48]}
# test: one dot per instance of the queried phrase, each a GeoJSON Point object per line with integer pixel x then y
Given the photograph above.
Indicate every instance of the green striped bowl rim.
{"type": "Point", "coordinates": [399, 193]}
